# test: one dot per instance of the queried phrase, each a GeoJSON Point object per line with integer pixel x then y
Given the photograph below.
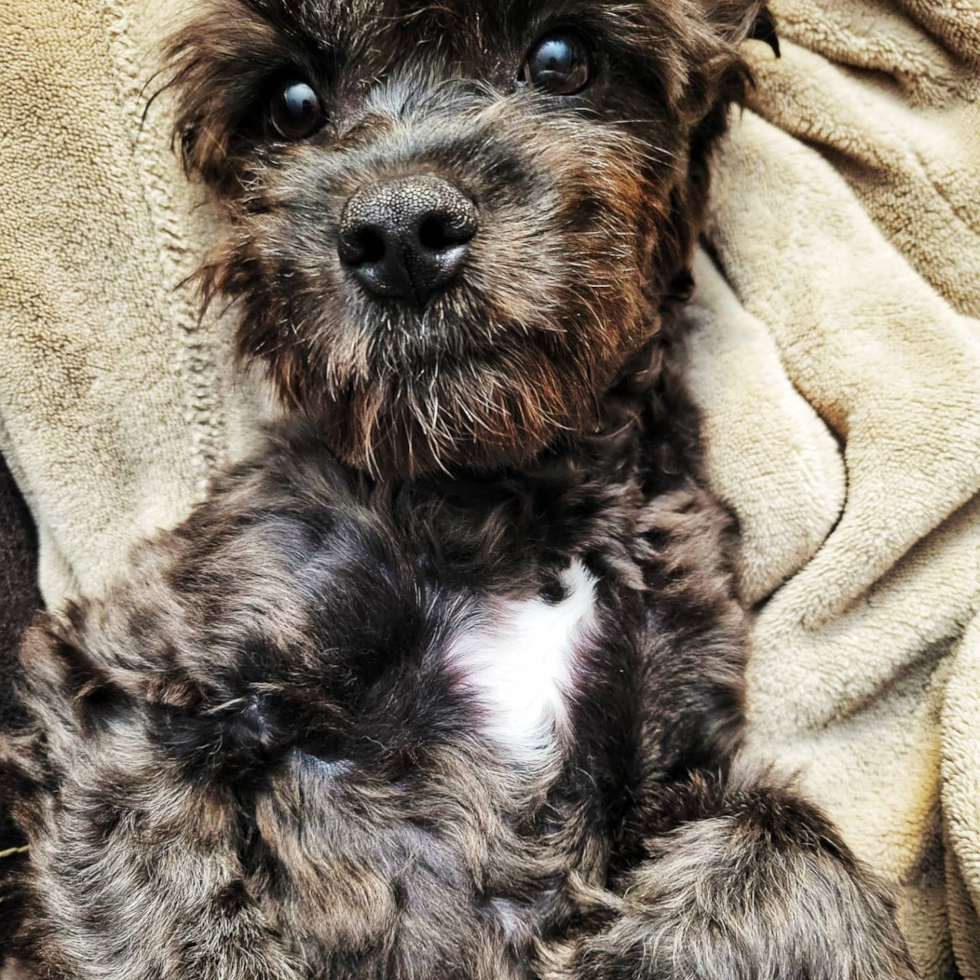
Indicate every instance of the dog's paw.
{"type": "Point", "coordinates": [758, 888]}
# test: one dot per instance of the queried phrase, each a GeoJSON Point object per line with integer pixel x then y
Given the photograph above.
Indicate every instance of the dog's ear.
{"type": "Point", "coordinates": [743, 20]}
{"type": "Point", "coordinates": [764, 29]}
{"type": "Point", "coordinates": [63, 683]}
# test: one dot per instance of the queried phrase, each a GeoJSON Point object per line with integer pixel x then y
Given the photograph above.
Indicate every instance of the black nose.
{"type": "Point", "coordinates": [406, 238]}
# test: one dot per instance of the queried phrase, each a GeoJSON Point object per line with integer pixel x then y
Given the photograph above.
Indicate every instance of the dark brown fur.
{"type": "Point", "coordinates": [592, 208]}
{"type": "Point", "coordinates": [256, 758]}
{"type": "Point", "coordinates": [19, 602]}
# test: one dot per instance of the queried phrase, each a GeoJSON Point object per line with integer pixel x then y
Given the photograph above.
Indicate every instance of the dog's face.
{"type": "Point", "coordinates": [453, 224]}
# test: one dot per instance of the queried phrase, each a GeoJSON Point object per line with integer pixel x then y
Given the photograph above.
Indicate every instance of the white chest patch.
{"type": "Point", "coordinates": [518, 659]}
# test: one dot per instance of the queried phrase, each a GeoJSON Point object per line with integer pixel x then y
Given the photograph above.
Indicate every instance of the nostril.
{"type": "Point", "coordinates": [433, 235]}
{"type": "Point", "coordinates": [438, 235]}
{"type": "Point", "coordinates": [364, 247]}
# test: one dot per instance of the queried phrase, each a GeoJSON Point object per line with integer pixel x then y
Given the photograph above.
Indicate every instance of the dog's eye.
{"type": "Point", "coordinates": [560, 63]}
{"type": "Point", "coordinates": [295, 110]}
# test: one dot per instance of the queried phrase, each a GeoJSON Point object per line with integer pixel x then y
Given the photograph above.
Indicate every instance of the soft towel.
{"type": "Point", "coordinates": [838, 363]}
{"type": "Point", "coordinates": [115, 404]}
{"type": "Point", "coordinates": [836, 357]}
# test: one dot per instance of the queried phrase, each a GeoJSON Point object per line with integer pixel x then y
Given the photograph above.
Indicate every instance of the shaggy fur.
{"type": "Point", "coordinates": [267, 752]}
{"type": "Point", "coordinates": [589, 206]}
{"type": "Point", "coordinates": [19, 602]}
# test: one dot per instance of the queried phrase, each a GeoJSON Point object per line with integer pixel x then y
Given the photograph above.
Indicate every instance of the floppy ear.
{"type": "Point", "coordinates": [31, 756]}
{"type": "Point", "coordinates": [764, 29]}
{"type": "Point", "coordinates": [743, 20]}
{"type": "Point", "coordinates": [65, 687]}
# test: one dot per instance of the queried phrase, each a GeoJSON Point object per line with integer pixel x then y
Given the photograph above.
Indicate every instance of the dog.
{"type": "Point", "coordinates": [446, 680]}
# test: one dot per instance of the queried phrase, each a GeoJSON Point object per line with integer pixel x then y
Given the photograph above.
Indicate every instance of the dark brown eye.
{"type": "Point", "coordinates": [296, 111]}
{"type": "Point", "coordinates": [560, 63]}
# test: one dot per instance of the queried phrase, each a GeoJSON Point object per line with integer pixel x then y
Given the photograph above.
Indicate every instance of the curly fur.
{"type": "Point", "coordinates": [261, 755]}
{"type": "Point", "coordinates": [589, 208]}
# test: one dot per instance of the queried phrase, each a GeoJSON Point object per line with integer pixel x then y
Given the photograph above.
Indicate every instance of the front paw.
{"type": "Point", "coordinates": [762, 889]}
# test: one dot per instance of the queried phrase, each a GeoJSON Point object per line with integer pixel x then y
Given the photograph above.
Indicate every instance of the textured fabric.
{"type": "Point", "coordinates": [837, 358]}
{"type": "Point", "coordinates": [115, 403]}
{"type": "Point", "coordinates": [838, 362]}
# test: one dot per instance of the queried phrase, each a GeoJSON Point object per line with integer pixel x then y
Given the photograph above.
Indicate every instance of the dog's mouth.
{"type": "Point", "coordinates": [447, 331]}
{"type": "Point", "coordinates": [427, 405]}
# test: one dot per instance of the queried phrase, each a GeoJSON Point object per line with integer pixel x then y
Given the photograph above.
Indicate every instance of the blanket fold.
{"type": "Point", "coordinates": [843, 422]}
{"type": "Point", "coordinates": [836, 358]}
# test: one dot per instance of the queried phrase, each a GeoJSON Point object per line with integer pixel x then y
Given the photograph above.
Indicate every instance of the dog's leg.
{"type": "Point", "coordinates": [755, 884]}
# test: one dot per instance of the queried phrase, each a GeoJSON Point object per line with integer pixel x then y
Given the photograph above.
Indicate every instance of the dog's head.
{"type": "Point", "coordinates": [453, 224]}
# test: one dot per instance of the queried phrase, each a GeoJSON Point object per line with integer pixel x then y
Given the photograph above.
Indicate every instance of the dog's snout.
{"type": "Point", "coordinates": [406, 238]}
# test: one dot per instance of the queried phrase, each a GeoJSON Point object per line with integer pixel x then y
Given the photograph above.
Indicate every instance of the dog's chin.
{"type": "Point", "coordinates": [411, 454]}
{"type": "Point", "coordinates": [456, 420]}
{"type": "Point", "coordinates": [473, 382]}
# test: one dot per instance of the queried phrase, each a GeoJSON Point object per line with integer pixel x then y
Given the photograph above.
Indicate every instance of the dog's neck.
{"type": "Point", "coordinates": [644, 440]}
{"type": "Point", "coordinates": [643, 429]}
{"type": "Point", "coordinates": [646, 426]}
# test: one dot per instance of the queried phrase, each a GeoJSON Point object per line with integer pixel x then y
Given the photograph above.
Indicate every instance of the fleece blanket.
{"type": "Point", "coordinates": [838, 363]}
{"type": "Point", "coordinates": [836, 358]}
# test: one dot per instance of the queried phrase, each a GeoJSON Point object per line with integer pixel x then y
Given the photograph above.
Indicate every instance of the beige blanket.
{"type": "Point", "coordinates": [837, 359]}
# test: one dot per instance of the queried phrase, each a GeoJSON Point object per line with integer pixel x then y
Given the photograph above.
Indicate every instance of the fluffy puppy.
{"type": "Point", "coordinates": [446, 681]}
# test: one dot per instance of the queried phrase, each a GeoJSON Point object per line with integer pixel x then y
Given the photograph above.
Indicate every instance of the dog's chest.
{"type": "Point", "coordinates": [521, 663]}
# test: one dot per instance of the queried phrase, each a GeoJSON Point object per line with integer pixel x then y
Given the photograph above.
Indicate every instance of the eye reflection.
{"type": "Point", "coordinates": [295, 110]}
{"type": "Point", "coordinates": [560, 62]}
